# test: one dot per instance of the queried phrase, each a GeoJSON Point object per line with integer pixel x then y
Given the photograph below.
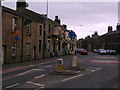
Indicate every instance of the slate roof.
{"type": "Point", "coordinates": [111, 33]}
{"type": "Point", "coordinates": [11, 11]}
{"type": "Point", "coordinates": [33, 15]}
{"type": "Point", "coordinates": [27, 14]}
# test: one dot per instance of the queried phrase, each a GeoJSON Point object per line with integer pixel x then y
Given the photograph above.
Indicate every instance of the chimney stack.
{"type": "Point", "coordinates": [57, 20]}
{"type": "Point", "coordinates": [118, 26]}
{"type": "Point", "coordinates": [96, 33]}
{"type": "Point", "coordinates": [21, 4]}
{"type": "Point", "coordinates": [110, 29]}
{"type": "Point", "coordinates": [65, 26]}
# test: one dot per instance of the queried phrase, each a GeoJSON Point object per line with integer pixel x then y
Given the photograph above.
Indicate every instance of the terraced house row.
{"type": "Point", "coordinates": [109, 40]}
{"type": "Point", "coordinates": [27, 35]}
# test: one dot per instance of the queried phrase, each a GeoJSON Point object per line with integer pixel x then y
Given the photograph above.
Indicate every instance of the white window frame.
{"type": "Point", "coordinates": [28, 48]}
{"type": "Point", "coordinates": [28, 29]}
{"type": "Point", "coordinates": [14, 23]}
{"type": "Point", "coordinates": [14, 49]}
{"type": "Point", "coordinates": [41, 29]}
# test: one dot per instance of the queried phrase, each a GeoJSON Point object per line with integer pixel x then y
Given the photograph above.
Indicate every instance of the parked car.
{"type": "Point", "coordinates": [84, 52]}
{"type": "Point", "coordinates": [111, 52]}
{"type": "Point", "coordinates": [102, 51]}
{"type": "Point", "coordinates": [95, 50]}
{"type": "Point", "coordinates": [79, 50]}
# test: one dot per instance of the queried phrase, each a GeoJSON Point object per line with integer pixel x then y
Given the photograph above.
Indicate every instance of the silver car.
{"type": "Point", "coordinates": [102, 51]}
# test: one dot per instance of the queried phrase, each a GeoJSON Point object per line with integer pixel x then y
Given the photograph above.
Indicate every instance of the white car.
{"type": "Point", "coordinates": [102, 51]}
{"type": "Point", "coordinates": [112, 52]}
{"type": "Point", "coordinates": [95, 50]}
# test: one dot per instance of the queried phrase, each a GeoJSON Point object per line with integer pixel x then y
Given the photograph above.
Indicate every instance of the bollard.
{"type": "Point", "coordinates": [60, 65]}
{"type": "Point", "coordinates": [75, 62]}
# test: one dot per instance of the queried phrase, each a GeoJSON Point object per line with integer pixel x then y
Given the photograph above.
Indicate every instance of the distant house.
{"type": "Point", "coordinates": [109, 40]}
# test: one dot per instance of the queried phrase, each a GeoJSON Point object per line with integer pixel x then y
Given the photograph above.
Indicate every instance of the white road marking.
{"type": "Point", "coordinates": [105, 57]}
{"type": "Point", "coordinates": [72, 77]}
{"type": "Point", "coordinates": [48, 66]}
{"type": "Point", "coordinates": [38, 88]}
{"type": "Point", "coordinates": [95, 70]}
{"type": "Point", "coordinates": [39, 76]}
{"type": "Point", "coordinates": [105, 61]}
{"type": "Point", "coordinates": [88, 69]}
{"type": "Point", "coordinates": [41, 87]}
{"type": "Point", "coordinates": [28, 72]}
{"type": "Point", "coordinates": [13, 85]}
{"type": "Point", "coordinates": [78, 71]}
{"type": "Point", "coordinates": [35, 83]}
{"type": "Point", "coordinates": [47, 62]}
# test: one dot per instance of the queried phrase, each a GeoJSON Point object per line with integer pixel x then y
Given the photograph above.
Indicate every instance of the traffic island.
{"type": "Point", "coordinates": [60, 69]}
{"type": "Point", "coordinates": [65, 72]}
{"type": "Point", "coordinates": [76, 68]}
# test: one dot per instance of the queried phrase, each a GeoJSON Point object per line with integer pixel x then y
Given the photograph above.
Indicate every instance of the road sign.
{"type": "Point", "coordinates": [72, 34]}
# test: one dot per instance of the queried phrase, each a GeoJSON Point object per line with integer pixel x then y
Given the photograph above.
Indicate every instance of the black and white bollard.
{"type": "Point", "coordinates": [60, 65]}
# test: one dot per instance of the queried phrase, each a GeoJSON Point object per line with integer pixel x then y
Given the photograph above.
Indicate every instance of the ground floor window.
{"type": "Point", "coordinates": [28, 48]}
{"type": "Point", "coordinates": [59, 45]}
{"type": "Point", "coordinates": [40, 45]}
{"type": "Point", "coordinates": [14, 49]}
{"type": "Point", "coordinates": [48, 45]}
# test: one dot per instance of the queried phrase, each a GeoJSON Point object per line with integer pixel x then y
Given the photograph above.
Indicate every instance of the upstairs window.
{"type": "Point", "coordinates": [49, 28]}
{"type": "Point", "coordinates": [40, 30]}
{"type": "Point", "coordinates": [28, 30]}
{"type": "Point", "coordinates": [14, 23]}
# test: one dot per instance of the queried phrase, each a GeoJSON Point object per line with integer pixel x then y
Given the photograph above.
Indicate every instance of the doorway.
{"type": "Point", "coordinates": [3, 58]}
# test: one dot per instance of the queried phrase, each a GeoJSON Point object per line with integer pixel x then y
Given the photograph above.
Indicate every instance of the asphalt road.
{"type": "Point", "coordinates": [101, 71]}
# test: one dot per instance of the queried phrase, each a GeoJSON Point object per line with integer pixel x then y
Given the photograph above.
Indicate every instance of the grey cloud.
{"type": "Point", "coordinates": [76, 13]}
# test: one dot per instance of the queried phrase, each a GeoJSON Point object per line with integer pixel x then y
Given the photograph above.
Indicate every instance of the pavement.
{"type": "Point", "coordinates": [10, 67]}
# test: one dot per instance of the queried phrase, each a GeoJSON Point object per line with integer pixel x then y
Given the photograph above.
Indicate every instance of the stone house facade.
{"type": "Point", "coordinates": [26, 35]}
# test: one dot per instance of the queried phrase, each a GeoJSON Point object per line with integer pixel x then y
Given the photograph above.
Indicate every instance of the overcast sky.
{"type": "Point", "coordinates": [93, 16]}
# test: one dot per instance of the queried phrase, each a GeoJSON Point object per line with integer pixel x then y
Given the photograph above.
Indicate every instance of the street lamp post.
{"type": "Point", "coordinates": [75, 26]}
{"type": "Point", "coordinates": [74, 40]}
